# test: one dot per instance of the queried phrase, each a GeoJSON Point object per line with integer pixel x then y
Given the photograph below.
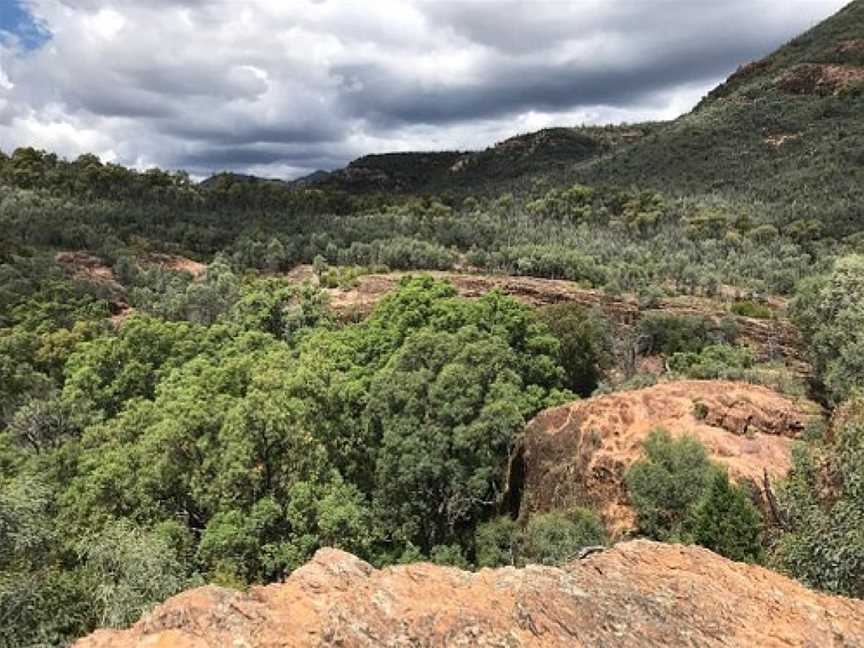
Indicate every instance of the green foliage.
{"type": "Point", "coordinates": [680, 496]}
{"type": "Point", "coordinates": [669, 334]}
{"type": "Point", "coordinates": [751, 309]}
{"type": "Point", "coordinates": [665, 486]}
{"type": "Point", "coordinates": [552, 538]}
{"type": "Point", "coordinates": [236, 448]}
{"type": "Point", "coordinates": [586, 349]}
{"type": "Point", "coordinates": [232, 426]}
{"type": "Point", "coordinates": [829, 311]}
{"type": "Point", "coordinates": [569, 205]}
{"type": "Point", "coordinates": [727, 522]}
{"type": "Point", "coordinates": [714, 362]}
{"type": "Point", "coordinates": [497, 542]}
{"type": "Point", "coordinates": [823, 504]}
{"type": "Point", "coordinates": [131, 569]}
{"type": "Point", "coordinates": [41, 601]}
{"type": "Point", "coordinates": [556, 538]}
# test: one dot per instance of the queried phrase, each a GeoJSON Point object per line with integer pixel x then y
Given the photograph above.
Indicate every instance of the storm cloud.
{"type": "Point", "coordinates": [282, 87]}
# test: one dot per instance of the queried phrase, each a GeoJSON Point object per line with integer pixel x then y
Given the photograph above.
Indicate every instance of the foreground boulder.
{"type": "Point", "coordinates": [638, 593]}
{"type": "Point", "coordinates": [577, 454]}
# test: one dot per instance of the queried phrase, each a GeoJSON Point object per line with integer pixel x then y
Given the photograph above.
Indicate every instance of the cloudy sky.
{"type": "Point", "coordinates": [283, 87]}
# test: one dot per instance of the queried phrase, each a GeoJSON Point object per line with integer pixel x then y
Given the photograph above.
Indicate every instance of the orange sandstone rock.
{"type": "Point", "coordinates": [636, 594]}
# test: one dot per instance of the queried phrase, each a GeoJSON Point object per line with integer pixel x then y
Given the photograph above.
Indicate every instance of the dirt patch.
{"type": "Point", "coordinates": [851, 51]}
{"type": "Point", "coordinates": [636, 594]}
{"type": "Point", "coordinates": [577, 455]}
{"type": "Point", "coordinates": [85, 267]}
{"type": "Point", "coordinates": [855, 46]}
{"type": "Point", "coordinates": [748, 70]}
{"type": "Point", "coordinates": [779, 140]}
{"type": "Point", "coordinates": [823, 80]}
{"type": "Point", "coordinates": [174, 263]}
{"type": "Point", "coordinates": [300, 274]}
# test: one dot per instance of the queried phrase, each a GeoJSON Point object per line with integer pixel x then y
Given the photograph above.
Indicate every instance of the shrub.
{"type": "Point", "coordinates": [680, 496]}
{"type": "Point", "coordinates": [727, 522]}
{"type": "Point", "coordinates": [448, 555]}
{"type": "Point", "coordinates": [667, 483]}
{"type": "Point", "coordinates": [586, 344]}
{"type": "Point", "coordinates": [132, 569]}
{"type": "Point", "coordinates": [714, 362]}
{"type": "Point", "coordinates": [552, 538]}
{"type": "Point", "coordinates": [829, 311]}
{"type": "Point", "coordinates": [822, 503]}
{"type": "Point", "coordinates": [555, 538]}
{"type": "Point", "coordinates": [668, 334]}
{"type": "Point", "coordinates": [496, 542]}
{"type": "Point", "coordinates": [751, 309]}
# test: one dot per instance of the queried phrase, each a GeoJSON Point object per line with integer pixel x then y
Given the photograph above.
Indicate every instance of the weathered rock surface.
{"type": "Point", "coordinates": [769, 338]}
{"type": "Point", "coordinates": [636, 594]}
{"type": "Point", "coordinates": [577, 454]}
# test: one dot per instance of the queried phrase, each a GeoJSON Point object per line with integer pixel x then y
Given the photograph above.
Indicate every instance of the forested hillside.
{"type": "Point", "coordinates": [181, 401]}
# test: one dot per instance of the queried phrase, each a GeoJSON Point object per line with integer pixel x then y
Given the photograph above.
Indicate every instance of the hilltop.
{"type": "Point", "coordinates": [637, 594]}
{"type": "Point", "coordinates": [784, 130]}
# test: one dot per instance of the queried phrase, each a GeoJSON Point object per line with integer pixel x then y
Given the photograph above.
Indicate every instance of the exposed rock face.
{"type": "Point", "coordinates": [636, 594]}
{"type": "Point", "coordinates": [577, 454]}
{"type": "Point", "coordinates": [768, 338]}
{"type": "Point", "coordinates": [810, 79]}
{"type": "Point", "coordinates": [175, 263]}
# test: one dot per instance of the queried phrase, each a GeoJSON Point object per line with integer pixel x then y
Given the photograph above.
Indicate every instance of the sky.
{"type": "Point", "coordinates": [280, 88]}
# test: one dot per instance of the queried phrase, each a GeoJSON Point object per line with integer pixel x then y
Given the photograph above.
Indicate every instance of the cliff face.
{"type": "Point", "coordinates": [636, 594]}
{"type": "Point", "coordinates": [577, 454]}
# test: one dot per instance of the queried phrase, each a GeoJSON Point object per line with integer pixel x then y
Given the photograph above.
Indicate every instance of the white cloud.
{"type": "Point", "coordinates": [281, 87]}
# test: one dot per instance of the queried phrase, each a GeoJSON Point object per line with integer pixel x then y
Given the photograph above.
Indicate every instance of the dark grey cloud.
{"type": "Point", "coordinates": [227, 157]}
{"type": "Point", "coordinates": [387, 99]}
{"type": "Point", "coordinates": [286, 86]}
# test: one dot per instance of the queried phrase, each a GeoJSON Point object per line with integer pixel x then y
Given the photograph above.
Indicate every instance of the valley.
{"type": "Point", "coordinates": [589, 385]}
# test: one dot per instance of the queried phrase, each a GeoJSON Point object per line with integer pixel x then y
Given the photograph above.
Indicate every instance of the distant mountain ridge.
{"type": "Point", "coordinates": [785, 131]}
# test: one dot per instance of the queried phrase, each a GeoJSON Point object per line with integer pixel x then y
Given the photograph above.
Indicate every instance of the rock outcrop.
{"type": "Point", "coordinates": [637, 594]}
{"type": "Point", "coordinates": [769, 339]}
{"type": "Point", "coordinates": [577, 454]}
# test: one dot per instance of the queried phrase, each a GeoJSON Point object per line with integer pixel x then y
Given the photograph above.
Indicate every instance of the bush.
{"type": "Point", "coordinates": [726, 521]}
{"type": "Point", "coordinates": [131, 569]}
{"type": "Point", "coordinates": [668, 334]}
{"type": "Point", "coordinates": [680, 496]}
{"type": "Point", "coordinates": [496, 542]}
{"type": "Point", "coordinates": [667, 484]}
{"type": "Point", "coordinates": [829, 311]}
{"type": "Point", "coordinates": [556, 538]}
{"type": "Point", "coordinates": [821, 500]}
{"type": "Point", "coordinates": [714, 362]}
{"type": "Point", "coordinates": [586, 345]}
{"type": "Point", "coordinates": [448, 555]}
{"type": "Point", "coordinates": [751, 309]}
{"type": "Point", "coordinates": [552, 538]}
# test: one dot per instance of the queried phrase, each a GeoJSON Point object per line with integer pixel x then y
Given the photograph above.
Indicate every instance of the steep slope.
{"type": "Point", "coordinates": [577, 454]}
{"type": "Point", "coordinates": [786, 129]}
{"type": "Point", "coordinates": [636, 594]}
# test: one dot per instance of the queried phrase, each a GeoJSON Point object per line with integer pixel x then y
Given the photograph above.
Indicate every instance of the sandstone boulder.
{"type": "Point", "coordinates": [577, 454]}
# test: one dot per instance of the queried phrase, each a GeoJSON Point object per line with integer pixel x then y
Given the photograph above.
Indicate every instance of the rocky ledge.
{"type": "Point", "coordinates": [638, 593]}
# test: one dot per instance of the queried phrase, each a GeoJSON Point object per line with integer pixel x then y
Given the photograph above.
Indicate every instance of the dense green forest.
{"type": "Point", "coordinates": [160, 429]}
